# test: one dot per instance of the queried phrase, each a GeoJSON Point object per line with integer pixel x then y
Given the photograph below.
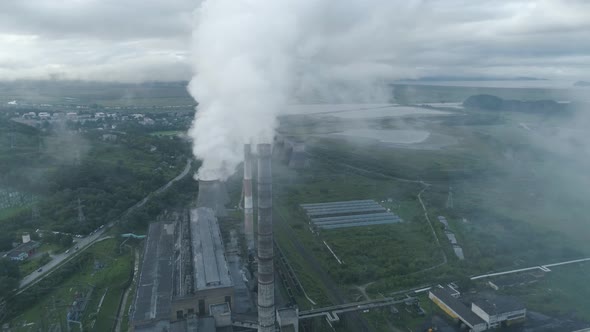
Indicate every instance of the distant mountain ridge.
{"type": "Point", "coordinates": [493, 103]}
{"type": "Point", "coordinates": [582, 83]}
{"type": "Point", "coordinates": [472, 78]}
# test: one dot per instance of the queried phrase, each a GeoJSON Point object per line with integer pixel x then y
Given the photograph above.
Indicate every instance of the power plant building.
{"type": "Point", "coordinates": [212, 282]}
{"type": "Point", "coordinates": [486, 312]}
{"type": "Point", "coordinates": [184, 278]}
{"type": "Point", "coordinates": [188, 282]}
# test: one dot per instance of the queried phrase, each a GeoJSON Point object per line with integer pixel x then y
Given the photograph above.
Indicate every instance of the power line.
{"type": "Point", "coordinates": [449, 204]}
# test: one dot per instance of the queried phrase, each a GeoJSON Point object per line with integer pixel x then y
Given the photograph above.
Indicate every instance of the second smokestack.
{"type": "Point", "coordinates": [248, 205]}
{"type": "Point", "coordinates": [266, 297]}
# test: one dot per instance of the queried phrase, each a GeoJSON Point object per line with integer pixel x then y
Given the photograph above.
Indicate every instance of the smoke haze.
{"type": "Point", "coordinates": [253, 57]}
{"type": "Point", "coordinates": [243, 66]}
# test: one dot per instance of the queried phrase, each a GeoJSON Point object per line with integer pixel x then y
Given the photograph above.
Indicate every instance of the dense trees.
{"type": "Point", "coordinates": [60, 239]}
{"type": "Point", "coordinates": [9, 276]}
{"type": "Point", "coordinates": [103, 180]}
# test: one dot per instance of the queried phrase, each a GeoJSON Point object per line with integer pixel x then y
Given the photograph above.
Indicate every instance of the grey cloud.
{"type": "Point", "coordinates": [134, 40]}
{"type": "Point", "coordinates": [105, 19]}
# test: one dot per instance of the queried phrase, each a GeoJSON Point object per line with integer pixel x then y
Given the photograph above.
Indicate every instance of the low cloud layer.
{"type": "Point", "coordinates": [133, 40]}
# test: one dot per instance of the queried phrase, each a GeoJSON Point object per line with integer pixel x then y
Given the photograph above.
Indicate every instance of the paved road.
{"type": "Point", "coordinates": [59, 258]}
{"type": "Point", "coordinates": [543, 268]}
{"type": "Point", "coordinates": [444, 255]}
{"type": "Point", "coordinates": [84, 243]}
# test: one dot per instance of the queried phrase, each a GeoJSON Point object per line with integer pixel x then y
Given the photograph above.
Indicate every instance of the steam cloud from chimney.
{"type": "Point", "coordinates": [243, 64]}
{"type": "Point", "coordinates": [251, 57]}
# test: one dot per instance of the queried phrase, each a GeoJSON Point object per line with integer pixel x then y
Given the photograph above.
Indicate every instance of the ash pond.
{"type": "Point", "coordinates": [359, 111]}
{"type": "Point", "coordinates": [386, 136]}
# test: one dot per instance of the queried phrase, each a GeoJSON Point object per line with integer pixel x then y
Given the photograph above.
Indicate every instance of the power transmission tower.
{"type": "Point", "coordinates": [35, 215]}
{"type": "Point", "coordinates": [54, 319]}
{"type": "Point", "coordinates": [77, 157]}
{"type": "Point", "coordinates": [450, 199]}
{"type": "Point", "coordinates": [81, 217]}
{"type": "Point", "coordinates": [3, 309]}
{"type": "Point", "coordinates": [11, 135]}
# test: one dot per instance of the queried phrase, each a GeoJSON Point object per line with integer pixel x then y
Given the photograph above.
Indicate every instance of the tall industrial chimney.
{"type": "Point", "coordinates": [266, 296]}
{"type": "Point", "coordinates": [248, 207]}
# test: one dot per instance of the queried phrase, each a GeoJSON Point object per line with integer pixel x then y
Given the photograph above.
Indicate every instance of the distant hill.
{"type": "Point", "coordinates": [472, 78]}
{"type": "Point", "coordinates": [493, 103]}
{"type": "Point", "coordinates": [582, 83]}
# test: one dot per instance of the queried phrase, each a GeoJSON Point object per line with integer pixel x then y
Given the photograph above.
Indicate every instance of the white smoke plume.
{"type": "Point", "coordinates": [243, 63]}
{"type": "Point", "coordinates": [251, 57]}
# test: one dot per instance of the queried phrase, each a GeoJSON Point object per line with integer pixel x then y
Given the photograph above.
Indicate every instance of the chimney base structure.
{"type": "Point", "coordinates": [213, 194]}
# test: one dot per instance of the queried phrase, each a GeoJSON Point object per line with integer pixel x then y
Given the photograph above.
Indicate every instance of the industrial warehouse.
{"type": "Point", "coordinates": [486, 312]}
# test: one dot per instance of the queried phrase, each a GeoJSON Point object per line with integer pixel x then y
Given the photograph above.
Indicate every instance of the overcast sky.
{"type": "Point", "coordinates": [138, 40]}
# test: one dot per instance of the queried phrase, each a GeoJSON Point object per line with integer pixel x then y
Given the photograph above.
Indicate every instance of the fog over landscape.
{"type": "Point", "coordinates": [294, 165]}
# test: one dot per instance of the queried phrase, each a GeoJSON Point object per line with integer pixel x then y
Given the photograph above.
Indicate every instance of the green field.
{"type": "Point", "coordinates": [379, 253]}
{"type": "Point", "coordinates": [516, 203]}
{"type": "Point", "coordinates": [111, 279]}
{"type": "Point", "coordinates": [12, 211]}
{"type": "Point", "coordinates": [563, 292]}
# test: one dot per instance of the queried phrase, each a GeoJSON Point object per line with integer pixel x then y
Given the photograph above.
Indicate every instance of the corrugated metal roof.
{"type": "Point", "coordinates": [345, 210]}
{"type": "Point", "coordinates": [494, 304]}
{"type": "Point", "coordinates": [465, 313]}
{"type": "Point", "coordinates": [370, 216]}
{"type": "Point", "coordinates": [312, 205]}
{"type": "Point", "coordinates": [210, 265]}
{"type": "Point", "coordinates": [349, 214]}
{"type": "Point", "coordinates": [154, 290]}
{"type": "Point", "coordinates": [359, 224]}
{"type": "Point", "coordinates": [328, 207]}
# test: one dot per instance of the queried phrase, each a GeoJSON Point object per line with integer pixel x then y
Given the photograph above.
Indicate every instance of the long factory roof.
{"type": "Point", "coordinates": [339, 206]}
{"type": "Point", "coordinates": [345, 210]}
{"type": "Point", "coordinates": [346, 203]}
{"type": "Point", "coordinates": [342, 207]}
{"type": "Point", "coordinates": [355, 217]}
{"type": "Point", "coordinates": [391, 218]}
{"type": "Point", "coordinates": [464, 313]}
{"type": "Point", "coordinates": [154, 290]}
{"type": "Point", "coordinates": [359, 224]}
{"type": "Point", "coordinates": [210, 265]}
{"type": "Point", "coordinates": [494, 304]}
{"type": "Point", "coordinates": [344, 214]}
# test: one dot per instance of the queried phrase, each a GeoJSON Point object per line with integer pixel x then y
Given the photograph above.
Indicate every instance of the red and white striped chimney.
{"type": "Point", "coordinates": [248, 205]}
{"type": "Point", "coordinates": [266, 281]}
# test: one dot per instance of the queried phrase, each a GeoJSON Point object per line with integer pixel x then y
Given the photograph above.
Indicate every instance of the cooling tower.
{"type": "Point", "coordinates": [248, 207]}
{"type": "Point", "coordinates": [213, 194]}
{"type": "Point", "coordinates": [266, 298]}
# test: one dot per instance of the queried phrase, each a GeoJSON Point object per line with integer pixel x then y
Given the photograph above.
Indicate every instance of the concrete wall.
{"type": "Point", "coordinates": [443, 306]}
{"type": "Point", "coordinates": [495, 320]}
{"type": "Point", "coordinates": [208, 296]}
